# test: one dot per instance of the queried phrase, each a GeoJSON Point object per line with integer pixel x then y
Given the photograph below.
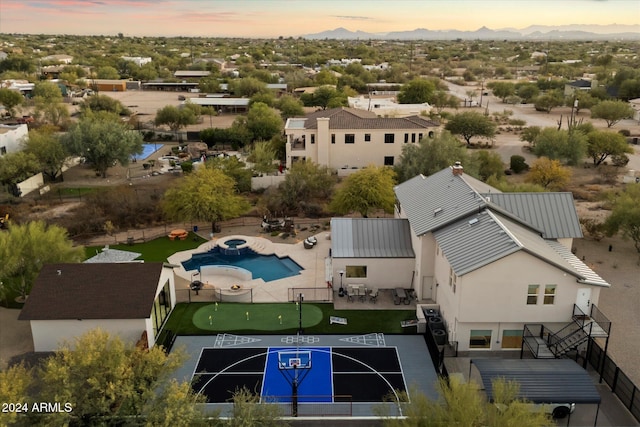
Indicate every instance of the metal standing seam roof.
{"type": "Point", "coordinates": [439, 199]}
{"type": "Point", "coordinates": [371, 238]}
{"type": "Point", "coordinates": [541, 380]}
{"type": "Point", "coordinates": [552, 213]}
{"type": "Point", "coordinates": [481, 239]}
{"type": "Point", "coordinates": [475, 241]}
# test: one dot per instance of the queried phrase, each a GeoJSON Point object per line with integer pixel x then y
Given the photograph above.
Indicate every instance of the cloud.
{"type": "Point", "coordinates": [353, 18]}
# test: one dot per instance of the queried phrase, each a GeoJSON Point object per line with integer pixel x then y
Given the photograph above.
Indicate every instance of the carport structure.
{"type": "Point", "coordinates": [542, 380]}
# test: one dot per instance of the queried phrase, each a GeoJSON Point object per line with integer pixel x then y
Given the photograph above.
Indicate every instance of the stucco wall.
{"type": "Point", "coordinates": [12, 136]}
{"type": "Point", "coordinates": [49, 334]}
{"type": "Point", "coordinates": [382, 273]}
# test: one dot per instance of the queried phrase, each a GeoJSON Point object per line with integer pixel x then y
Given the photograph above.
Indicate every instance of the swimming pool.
{"type": "Point", "coordinates": [147, 150]}
{"type": "Point", "coordinates": [266, 267]}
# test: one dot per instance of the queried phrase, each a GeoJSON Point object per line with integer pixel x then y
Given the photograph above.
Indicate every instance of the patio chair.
{"type": "Point", "coordinates": [373, 297]}
{"type": "Point", "coordinates": [352, 294]}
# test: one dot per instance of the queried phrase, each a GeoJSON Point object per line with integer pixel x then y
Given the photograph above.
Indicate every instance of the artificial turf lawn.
{"type": "Point", "coordinates": [261, 317]}
{"type": "Point", "coordinates": [181, 322]}
{"type": "Point", "coordinates": [156, 250]}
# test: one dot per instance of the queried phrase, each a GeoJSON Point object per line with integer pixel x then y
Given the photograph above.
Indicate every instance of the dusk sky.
{"type": "Point", "coordinates": [267, 18]}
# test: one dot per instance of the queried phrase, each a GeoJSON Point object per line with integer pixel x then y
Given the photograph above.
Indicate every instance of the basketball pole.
{"type": "Point", "coordinates": [294, 392]}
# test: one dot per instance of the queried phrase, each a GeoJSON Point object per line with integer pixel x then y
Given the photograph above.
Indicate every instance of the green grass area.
{"type": "Point", "coordinates": [157, 250]}
{"type": "Point", "coordinates": [263, 317]}
{"type": "Point", "coordinates": [181, 321]}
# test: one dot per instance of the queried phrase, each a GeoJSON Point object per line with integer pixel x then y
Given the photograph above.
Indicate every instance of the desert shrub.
{"type": "Point", "coordinates": [609, 173]}
{"type": "Point", "coordinates": [593, 228]}
{"type": "Point", "coordinates": [518, 164]}
{"type": "Point", "coordinates": [619, 160]}
{"type": "Point", "coordinates": [624, 132]}
{"type": "Point", "coordinates": [187, 167]}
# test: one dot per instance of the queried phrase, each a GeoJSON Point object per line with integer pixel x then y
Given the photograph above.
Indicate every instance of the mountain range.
{"type": "Point", "coordinates": [533, 32]}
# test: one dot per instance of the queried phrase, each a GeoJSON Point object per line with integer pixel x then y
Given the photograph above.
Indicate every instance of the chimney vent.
{"type": "Point", "coordinates": [457, 169]}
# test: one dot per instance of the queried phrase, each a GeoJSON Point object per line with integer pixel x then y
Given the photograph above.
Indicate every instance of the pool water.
{"type": "Point", "coordinates": [266, 267]}
{"type": "Point", "coordinates": [147, 150]}
{"type": "Point", "coordinates": [234, 243]}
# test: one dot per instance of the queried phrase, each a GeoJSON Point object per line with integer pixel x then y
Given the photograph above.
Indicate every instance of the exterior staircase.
{"type": "Point", "coordinates": [547, 344]}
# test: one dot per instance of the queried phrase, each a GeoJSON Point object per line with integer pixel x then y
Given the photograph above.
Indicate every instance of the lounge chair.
{"type": "Point", "coordinates": [373, 297]}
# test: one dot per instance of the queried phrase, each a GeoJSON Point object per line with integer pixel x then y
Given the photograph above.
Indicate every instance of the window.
{"type": "Point", "coordinates": [389, 138]}
{"type": "Point", "coordinates": [367, 137]}
{"type": "Point", "coordinates": [333, 138]}
{"type": "Point", "coordinates": [413, 137]}
{"type": "Point", "coordinates": [313, 138]}
{"type": "Point", "coordinates": [161, 308]}
{"type": "Point", "coordinates": [480, 338]}
{"type": "Point", "coordinates": [431, 134]}
{"type": "Point", "coordinates": [419, 137]}
{"type": "Point", "coordinates": [532, 294]}
{"type": "Point", "coordinates": [406, 138]}
{"type": "Point", "coordinates": [388, 160]}
{"type": "Point", "coordinates": [512, 338]}
{"type": "Point", "coordinates": [349, 138]}
{"type": "Point", "coordinates": [549, 294]}
{"type": "Point", "coordinates": [356, 271]}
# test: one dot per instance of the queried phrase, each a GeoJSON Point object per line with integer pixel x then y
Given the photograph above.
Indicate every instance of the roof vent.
{"type": "Point", "coordinates": [473, 221]}
{"type": "Point", "coordinates": [436, 211]}
{"type": "Point", "coordinates": [59, 272]}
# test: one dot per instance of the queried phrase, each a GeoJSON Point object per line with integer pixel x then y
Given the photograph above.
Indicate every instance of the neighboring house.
{"type": "Point", "coordinates": [579, 85]}
{"type": "Point", "coordinates": [138, 60]}
{"type": "Point", "coordinates": [494, 262]}
{"type": "Point", "coordinates": [374, 252]}
{"type": "Point", "coordinates": [61, 59]}
{"type": "Point", "coordinates": [635, 104]}
{"type": "Point", "coordinates": [191, 74]}
{"type": "Point", "coordinates": [131, 300]}
{"type": "Point", "coordinates": [347, 138]}
{"type": "Point", "coordinates": [11, 136]}
{"type": "Point", "coordinates": [387, 107]}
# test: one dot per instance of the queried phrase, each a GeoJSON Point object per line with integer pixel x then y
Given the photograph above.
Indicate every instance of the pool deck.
{"type": "Point", "coordinates": [311, 260]}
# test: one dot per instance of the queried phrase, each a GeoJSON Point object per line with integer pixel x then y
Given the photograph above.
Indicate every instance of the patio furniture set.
{"type": "Point", "coordinates": [361, 293]}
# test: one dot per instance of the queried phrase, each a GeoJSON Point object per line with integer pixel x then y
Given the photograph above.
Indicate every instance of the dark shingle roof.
{"type": "Point", "coordinates": [93, 291]}
{"type": "Point", "coordinates": [351, 118]}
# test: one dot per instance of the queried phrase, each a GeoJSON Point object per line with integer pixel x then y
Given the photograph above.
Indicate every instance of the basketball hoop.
{"type": "Point", "coordinates": [295, 363]}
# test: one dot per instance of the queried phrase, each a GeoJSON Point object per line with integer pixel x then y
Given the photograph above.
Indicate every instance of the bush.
{"type": "Point", "coordinates": [186, 167]}
{"type": "Point", "coordinates": [593, 228]}
{"type": "Point", "coordinates": [624, 132]}
{"type": "Point", "coordinates": [518, 164]}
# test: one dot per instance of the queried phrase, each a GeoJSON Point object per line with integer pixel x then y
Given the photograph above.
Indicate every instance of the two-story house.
{"type": "Point", "coordinates": [494, 261]}
{"type": "Point", "coordinates": [346, 138]}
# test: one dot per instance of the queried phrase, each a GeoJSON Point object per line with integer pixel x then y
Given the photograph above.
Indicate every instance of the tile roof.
{"type": "Point", "coordinates": [352, 118]}
{"type": "Point", "coordinates": [552, 213]}
{"type": "Point", "coordinates": [93, 291]}
{"type": "Point", "coordinates": [370, 238]}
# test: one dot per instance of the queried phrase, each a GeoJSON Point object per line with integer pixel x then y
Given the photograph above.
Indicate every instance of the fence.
{"type": "Point", "coordinates": [311, 294]}
{"type": "Point", "coordinates": [620, 384]}
{"type": "Point", "coordinates": [341, 406]}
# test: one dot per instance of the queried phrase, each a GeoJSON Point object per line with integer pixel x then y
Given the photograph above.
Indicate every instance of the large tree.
{"type": "Point", "coordinates": [10, 99]}
{"type": "Point", "coordinates": [611, 111]}
{"type": "Point", "coordinates": [46, 147]}
{"type": "Point", "coordinates": [570, 147]}
{"type": "Point", "coordinates": [263, 122]}
{"type": "Point", "coordinates": [417, 91]}
{"type": "Point", "coordinates": [104, 103]}
{"type": "Point", "coordinates": [174, 117]}
{"type": "Point", "coordinates": [25, 248]}
{"type": "Point", "coordinates": [602, 144]}
{"type": "Point", "coordinates": [625, 214]}
{"type": "Point", "coordinates": [548, 173]}
{"type": "Point", "coordinates": [262, 156]}
{"type": "Point", "coordinates": [502, 90]}
{"type": "Point", "coordinates": [16, 167]}
{"type": "Point", "coordinates": [108, 382]}
{"type": "Point", "coordinates": [364, 191]}
{"type": "Point", "coordinates": [441, 100]}
{"type": "Point", "coordinates": [102, 139]}
{"type": "Point", "coordinates": [205, 195]}
{"type": "Point", "coordinates": [471, 124]}
{"type": "Point", "coordinates": [431, 155]}
{"type": "Point", "coordinates": [289, 107]}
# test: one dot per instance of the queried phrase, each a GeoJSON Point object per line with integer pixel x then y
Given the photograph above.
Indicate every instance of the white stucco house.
{"type": "Point", "coordinates": [131, 300]}
{"type": "Point", "coordinates": [11, 136]}
{"type": "Point", "coordinates": [373, 252]}
{"type": "Point", "coordinates": [387, 107]}
{"type": "Point", "coordinates": [494, 261]}
{"type": "Point", "coordinates": [348, 138]}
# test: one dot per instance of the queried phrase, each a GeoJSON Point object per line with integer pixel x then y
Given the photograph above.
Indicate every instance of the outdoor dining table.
{"type": "Point", "coordinates": [400, 295]}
